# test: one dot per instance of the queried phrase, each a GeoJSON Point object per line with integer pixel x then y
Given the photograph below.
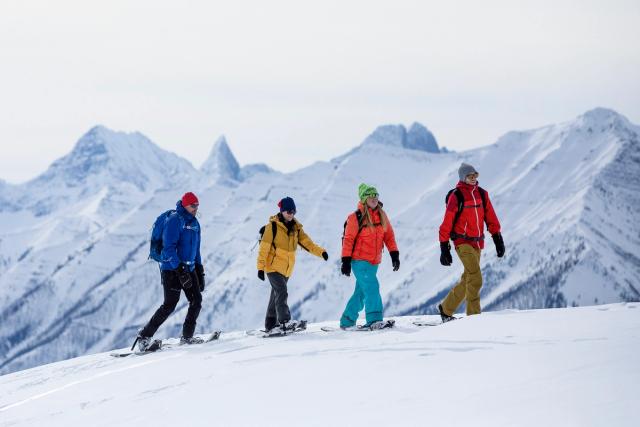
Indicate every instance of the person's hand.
{"type": "Point", "coordinates": [395, 260]}
{"type": "Point", "coordinates": [445, 254]}
{"type": "Point", "coordinates": [261, 275]}
{"type": "Point", "coordinates": [325, 255]}
{"type": "Point", "coordinates": [346, 266]}
{"type": "Point", "coordinates": [200, 276]}
{"type": "Point", "coordinates": [497, 240]}
{"type": "Point", "coordinates": [184, 276]}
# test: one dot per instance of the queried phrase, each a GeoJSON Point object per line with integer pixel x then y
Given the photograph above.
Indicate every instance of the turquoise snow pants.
{"type": "Point", "coordinates": [366, 294]}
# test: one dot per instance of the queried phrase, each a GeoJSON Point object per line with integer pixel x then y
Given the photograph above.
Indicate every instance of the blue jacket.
{"type": "Point", "coordinates": [181, 240]}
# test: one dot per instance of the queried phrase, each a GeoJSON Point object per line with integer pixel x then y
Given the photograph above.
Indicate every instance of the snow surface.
{"type": "Point", "coordinates": [553, 367]}
{"type": "Point", "coordinates": [75, 278]}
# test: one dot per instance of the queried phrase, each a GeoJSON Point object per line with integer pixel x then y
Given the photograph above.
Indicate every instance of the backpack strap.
{"type": "Point", "coordinates": [274, 230]}
{"type": "Point", "coordinates": [360, 227]}
{"type": "Point", "coordinates": [458, 193]}
{"type": "Point", "coordinates": [460, 199]}
{"type": "Point", "coordinates": [483, 196]}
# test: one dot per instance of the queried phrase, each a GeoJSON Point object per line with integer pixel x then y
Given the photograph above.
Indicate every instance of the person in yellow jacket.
{"type": "Point", "coordinates": [277, 256]}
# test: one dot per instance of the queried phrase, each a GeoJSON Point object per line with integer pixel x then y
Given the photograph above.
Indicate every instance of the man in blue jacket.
{"type": "Point", "coordinates": [181, 269]}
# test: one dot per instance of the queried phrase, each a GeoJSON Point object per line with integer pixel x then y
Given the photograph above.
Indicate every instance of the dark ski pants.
{"type": "Point", "coordinates": [277, 310]}
{"type": "Point", "coordinates": [172, 290]}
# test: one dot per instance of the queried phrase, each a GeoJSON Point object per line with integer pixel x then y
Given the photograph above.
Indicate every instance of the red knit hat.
{"type": "Point", "coordinates": [189, 199]}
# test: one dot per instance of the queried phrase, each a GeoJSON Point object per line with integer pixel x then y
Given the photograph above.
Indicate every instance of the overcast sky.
{"type": "Point", "coordinates": [291, 82]}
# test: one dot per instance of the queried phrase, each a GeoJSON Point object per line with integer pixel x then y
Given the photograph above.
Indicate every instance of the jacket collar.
{"type": "Point", "coordinates": [462, 184]}
{"type": "Point", "coordinates": [183, 212]}
{"type": "Point", "coordinates": [279, 219]}
{"type": "Point", "coordinates": [361, 206]}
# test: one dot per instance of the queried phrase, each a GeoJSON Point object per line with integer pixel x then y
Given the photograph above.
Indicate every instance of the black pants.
{"type": "Point", "coordinates": [172, 290]}
{"type": "Point", "coordinates": [277, 310]}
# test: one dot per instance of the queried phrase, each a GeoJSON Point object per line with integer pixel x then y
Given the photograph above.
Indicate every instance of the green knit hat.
{"type": "Point", "coordinates": [365, 191]}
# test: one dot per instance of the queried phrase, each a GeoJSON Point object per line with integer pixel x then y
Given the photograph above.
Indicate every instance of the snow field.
{"type": "Point", "coordinates": [565, 367]}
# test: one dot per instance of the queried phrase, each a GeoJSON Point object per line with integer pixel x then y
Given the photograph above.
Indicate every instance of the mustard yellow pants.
{"type": "Point", "coordinates": [469, 285]}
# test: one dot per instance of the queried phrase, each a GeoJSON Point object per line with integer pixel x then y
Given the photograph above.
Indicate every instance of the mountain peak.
{"type": "Point", "coordinates": [221, 164]}
{"type": "Point", "coordinates": [602, 116]}
{"type": "Point", "coordinates": [127, 157]}
{"type": "Point", "coordinates": [417, 138]}
{"type": "Point", "coordinates": [420, 138]}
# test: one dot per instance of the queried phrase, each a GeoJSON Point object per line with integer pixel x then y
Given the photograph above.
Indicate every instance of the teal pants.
{"type": "Point", "coordinates": [366, 294]}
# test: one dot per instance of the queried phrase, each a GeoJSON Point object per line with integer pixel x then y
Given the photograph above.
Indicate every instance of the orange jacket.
{"type": "Point", "coordinates": [370, 240]}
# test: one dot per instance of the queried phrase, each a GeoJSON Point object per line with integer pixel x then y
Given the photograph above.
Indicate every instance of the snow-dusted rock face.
{"type": "Point", "coordinates": [221, 165]}
{"type": "Point", "coordinates": [253, 169]}
{"type": "Point", "coordinates": [417, 138]}
{"type": "Point", "coordinates": [75, 276]}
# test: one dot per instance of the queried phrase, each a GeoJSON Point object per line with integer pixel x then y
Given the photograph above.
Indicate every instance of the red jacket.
{"type": "Point", "coordinates": [368, 245]}
{"type": "Point", "coordinates": [472, 218]}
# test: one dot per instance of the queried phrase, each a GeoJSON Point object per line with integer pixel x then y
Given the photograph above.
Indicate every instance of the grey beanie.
{"type": "Point", "coordinates": [464, 170]}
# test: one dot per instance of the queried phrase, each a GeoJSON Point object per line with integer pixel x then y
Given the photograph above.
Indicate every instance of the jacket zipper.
{"type": "Point", "coordinates": [475, 209]}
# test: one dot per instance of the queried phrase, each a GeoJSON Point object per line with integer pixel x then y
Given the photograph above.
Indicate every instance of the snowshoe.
{"type": "Point", "coordinates": [191, 340]}
{"type": "Point", "coordinates": [374, 326]}
{"type": "Point", "coordinates": [287, 328]}
{"type": "Point", "coordinates": [444, 316]}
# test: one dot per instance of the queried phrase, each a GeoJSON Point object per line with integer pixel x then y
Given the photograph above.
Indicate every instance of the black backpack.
{"type": "Point", "coordinates": [274, 230]}
{"type": "Point", "coordinates": [344, 228]}
{"type": "Point", "coordinates": [460, 197]}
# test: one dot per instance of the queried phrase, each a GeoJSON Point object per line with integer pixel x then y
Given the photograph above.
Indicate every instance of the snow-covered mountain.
{"type": "Point", "coordinates": [222, 167]}
{"type": "Point", "coordinates": [417, 137]}
{"type": "Point", "coordinates": [76, 279]}
{"type": "Point", "coordinates": [553, 367]}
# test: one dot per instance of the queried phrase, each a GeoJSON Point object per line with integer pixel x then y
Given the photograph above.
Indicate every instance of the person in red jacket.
{"type": "Point", "coordinates": [468, 208]}
{"type": "Point", "coordinates": [366, 231]}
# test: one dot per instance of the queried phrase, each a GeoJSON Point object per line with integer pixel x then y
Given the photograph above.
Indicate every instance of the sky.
{"type": "Point", "coordinates": [292, 82]}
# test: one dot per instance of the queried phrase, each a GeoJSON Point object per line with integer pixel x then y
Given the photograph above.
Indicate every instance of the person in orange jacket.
{"type": "Point", "coordinates": [366, 231]}
{"type": "Point", "coordinates": [468, 208]}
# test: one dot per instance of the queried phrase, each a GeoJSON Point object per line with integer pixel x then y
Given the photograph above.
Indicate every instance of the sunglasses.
{"type": "Point", "coordinates": [194, 206]}
{"type": "Point", "coordinates": [291, 212]}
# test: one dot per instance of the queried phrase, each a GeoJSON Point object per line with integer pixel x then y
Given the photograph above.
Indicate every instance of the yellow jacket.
{"type": "Point", "coordinates": [283, 258]}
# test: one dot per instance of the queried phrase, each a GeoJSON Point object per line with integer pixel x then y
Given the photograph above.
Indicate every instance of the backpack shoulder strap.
{"type": "Point", "coordinates": [359, 216]}
{"type": "Point", "coordinates": [460, 197]}
{"type": "Point", "coordinates": [274, 230]}
{"type": "Point", "coordinates": [483, 196]}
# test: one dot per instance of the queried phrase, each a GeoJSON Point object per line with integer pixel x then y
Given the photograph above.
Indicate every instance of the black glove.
{"type": "Point", "coordinates": [200, 276]}
{"type": "Point", "coordinates": [445, 254]}
{"type": "Point", "coordinates": [497, 240]}
{"type": "Point", "coordinates": [325, 255]}
{"type": "Point", "coordinates": [395, 260]}
{"type": "Point", "coordinates": [184, 276]}
{"type": "Point", "coordinates": [261, 275]}
{"type": "Point", "coordinates": [346, 266]}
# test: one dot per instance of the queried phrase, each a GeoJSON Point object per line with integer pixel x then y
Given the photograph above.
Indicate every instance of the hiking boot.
{"type": "Point", "coordinates": [191, 340]}
{"type": "Point", "coordinates": [147, 343]}
{"type": "Point", "coordinates": [290, 325]}
{"type": "Point", "coordinates": [444, 316]}
{"type": "Point", "coordinates": [376, 325]}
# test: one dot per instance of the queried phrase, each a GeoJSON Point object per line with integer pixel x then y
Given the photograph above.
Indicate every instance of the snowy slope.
{"type": "Point", "coordinates": [557, 367]}
{"type": "Point", "coordinates": [77, 280]}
